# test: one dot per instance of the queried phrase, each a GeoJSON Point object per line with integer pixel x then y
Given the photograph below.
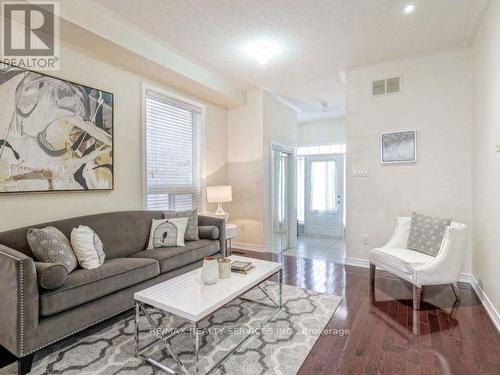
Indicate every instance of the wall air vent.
{"type": "Point", "coordinates": [386, 86]}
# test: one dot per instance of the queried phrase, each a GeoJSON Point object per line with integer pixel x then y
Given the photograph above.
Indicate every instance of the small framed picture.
{"type": "Point", "coordinates": [398, 147]}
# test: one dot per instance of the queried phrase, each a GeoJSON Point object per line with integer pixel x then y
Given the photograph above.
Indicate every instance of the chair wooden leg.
{"type": "Point", "coordinates": [454, 286]}
{"type": "Point", "coordinates": [417, 295]}
{"type": "Point", "coordinates": [24, 364]}
{"type": "Point", "coordinates": [372, 282]}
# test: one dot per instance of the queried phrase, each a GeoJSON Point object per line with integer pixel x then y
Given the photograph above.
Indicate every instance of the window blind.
{"type": "Point", "coordinates": [173, 161]}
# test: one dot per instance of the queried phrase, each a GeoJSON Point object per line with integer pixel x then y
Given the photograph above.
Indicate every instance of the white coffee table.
{"type": "Point", "coordinates": [187, 297]}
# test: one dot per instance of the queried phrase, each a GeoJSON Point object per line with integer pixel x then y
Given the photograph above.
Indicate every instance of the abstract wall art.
{"type": "Point", "coordinates": [398, 147]}
{"type": "Point", "coordinates": [55, 135]}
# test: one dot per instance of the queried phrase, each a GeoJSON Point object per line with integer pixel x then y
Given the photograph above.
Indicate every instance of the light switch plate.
{"type": "Point", "coordinates": [360, 172]}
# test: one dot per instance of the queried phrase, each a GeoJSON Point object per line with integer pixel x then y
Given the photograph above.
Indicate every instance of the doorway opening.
{"type": "Point", "coordinates": [321, 216]}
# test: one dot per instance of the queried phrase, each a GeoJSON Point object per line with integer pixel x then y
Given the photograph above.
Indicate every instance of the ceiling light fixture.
{"type": "Point", "coordinates": [410, 8]}
{"type": "Point", "coordinates": [262, 50]}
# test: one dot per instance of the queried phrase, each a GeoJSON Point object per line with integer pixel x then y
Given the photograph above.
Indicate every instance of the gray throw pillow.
{"type": "Point", "coordinates": [50, 245]}
{"type": "Point", "coordinates": [50, 275]}
{"type": "Point", "coordinates": [426, 233]}
{"type": "Point", "coordinates": [208, 232]}
{"type": "Point", "coordinates": [192, 225]}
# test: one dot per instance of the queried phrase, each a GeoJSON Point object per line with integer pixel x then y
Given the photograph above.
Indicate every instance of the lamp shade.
{"type": "Point", "coordinates": [218, 194]}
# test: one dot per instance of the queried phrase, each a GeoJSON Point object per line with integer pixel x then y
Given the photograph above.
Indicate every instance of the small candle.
{"type": "Point", "coordinates": [224, 268]}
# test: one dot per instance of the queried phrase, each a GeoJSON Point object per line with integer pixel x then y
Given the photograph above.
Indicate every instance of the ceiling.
{"type": "Point", "coordinates": [321, 38]}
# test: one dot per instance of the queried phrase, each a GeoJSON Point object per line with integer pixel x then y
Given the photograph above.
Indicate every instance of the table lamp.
{"type": "Point", "coordinates": [219, 194]}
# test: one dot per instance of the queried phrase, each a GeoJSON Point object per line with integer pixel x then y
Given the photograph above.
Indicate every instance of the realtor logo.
{"type": "Point", "coordinates": [31, 34]}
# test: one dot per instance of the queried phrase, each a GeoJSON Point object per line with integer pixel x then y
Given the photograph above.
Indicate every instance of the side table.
{"type": "Point", "coordinates": [231, 232]}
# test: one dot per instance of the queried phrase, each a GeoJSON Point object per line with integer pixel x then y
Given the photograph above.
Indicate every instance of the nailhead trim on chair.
{"type": "Point", "coordinates": [81, 329]}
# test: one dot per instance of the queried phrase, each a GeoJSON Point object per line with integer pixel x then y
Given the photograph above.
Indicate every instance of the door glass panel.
{"type": "Point", "coordinates": [281, 189]}
{"type": "Point", "coordinates": [323, 186]}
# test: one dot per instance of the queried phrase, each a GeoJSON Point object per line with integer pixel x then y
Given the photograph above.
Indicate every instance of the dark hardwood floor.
{"type": "Point", "coordinates": [452, 338]}
{"type": "Point", "coordinates": [365, 338]}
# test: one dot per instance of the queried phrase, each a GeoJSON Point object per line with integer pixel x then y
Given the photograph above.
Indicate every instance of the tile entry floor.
{"type": "Point", "coordinates": [325, 248]}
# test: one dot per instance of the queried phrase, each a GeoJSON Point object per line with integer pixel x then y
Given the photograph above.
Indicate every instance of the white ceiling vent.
{"type": "Point", "coordinates": [386, 86]}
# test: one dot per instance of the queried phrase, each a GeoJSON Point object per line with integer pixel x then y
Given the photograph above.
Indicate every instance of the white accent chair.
{"type": "Point", "coordinates": [418, 268]}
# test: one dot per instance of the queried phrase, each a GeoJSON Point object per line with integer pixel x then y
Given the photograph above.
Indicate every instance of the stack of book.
{"type": "Point", "coordinates": [241, 267]}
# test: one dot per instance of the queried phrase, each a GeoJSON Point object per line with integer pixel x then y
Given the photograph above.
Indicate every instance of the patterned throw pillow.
{"type": "Point", "coordinates": [426, 233]}
{"type": "Point", "coordinates": [50, 245]}
{"type": "Point", "coordinates": [167, 233]}
{"type": "Point", "coordinates": [192, 225]}
{"type": "Point", "coordinates": [88, 247]}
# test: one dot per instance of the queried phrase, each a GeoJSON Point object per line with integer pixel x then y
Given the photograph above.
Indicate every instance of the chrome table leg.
{"type": "Point", "coordinates": [280, 305]}
{"type": "Point", "coordinates": [136, 336]}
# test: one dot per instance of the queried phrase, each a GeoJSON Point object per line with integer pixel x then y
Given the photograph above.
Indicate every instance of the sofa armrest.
{"type": "Point", "coordinates": [220, 224]}
{"type": "Point", "coordinates": [19, 310]}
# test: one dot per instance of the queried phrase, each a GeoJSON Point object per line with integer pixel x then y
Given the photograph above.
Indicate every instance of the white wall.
{"type": "Point", "coordinates": [325, 131]}
{"type": "Point", "coordinates": [437, 101]}
{"type": "Point", "coordinates": [245, 137]}
{"type": "Point", "coordinates": [280, 126]}
{"type": "Point", "coordinates": [250, 130]}
{"type": "Point", "coordinates": [25, 209]}
{"type": "Point", "coordinates": [486, 158]}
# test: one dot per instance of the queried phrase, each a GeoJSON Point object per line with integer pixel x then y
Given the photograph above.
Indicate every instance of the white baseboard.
{"type": "Point", "coordinates": [488, 305]}
{"type": "Point", "coordinates": [464, 277]}
{"type": "Point", "coordinates": [247, 246]}
{"type": "Point", "coordinates": [357, 262]}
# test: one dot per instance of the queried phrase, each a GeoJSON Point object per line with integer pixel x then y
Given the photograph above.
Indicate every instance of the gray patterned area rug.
{"type": "Point", "coordinates": [278, 347]}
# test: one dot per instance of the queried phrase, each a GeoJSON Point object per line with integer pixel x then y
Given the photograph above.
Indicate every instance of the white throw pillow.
{"type": "Point", "coordinates": [167, 232]}
{"type": "Point", "coordinates": [87, 247]}
{"type": "Point", "coordinates": [181, 224]}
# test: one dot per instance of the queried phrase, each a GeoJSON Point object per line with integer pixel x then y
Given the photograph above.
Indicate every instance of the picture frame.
{"type": "Point", "coordinates": [398, 147]}
{"type": "Point", "coordinates": [55, 135]}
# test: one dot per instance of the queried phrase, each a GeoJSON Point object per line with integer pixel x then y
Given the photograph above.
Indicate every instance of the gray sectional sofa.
{"type": "Point", "coordinates": [32, 318]}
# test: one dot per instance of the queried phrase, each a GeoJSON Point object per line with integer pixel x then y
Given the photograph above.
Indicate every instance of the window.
{"type": "Point", "coordinates": [173, 161]}
{"type": "Point", "coordinates": [322, 149]}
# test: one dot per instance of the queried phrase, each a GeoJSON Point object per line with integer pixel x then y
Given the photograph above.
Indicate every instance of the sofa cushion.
{"type": "Point", "coordinates": [87, 285]}
{"type": "Point", "coordinates": [171, 258]}
{"type": "Point", "coordinates": [404, 260]}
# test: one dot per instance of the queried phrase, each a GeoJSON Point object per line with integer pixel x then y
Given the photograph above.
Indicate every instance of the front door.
{"type": "Point", "coordinates": [324, 186]}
